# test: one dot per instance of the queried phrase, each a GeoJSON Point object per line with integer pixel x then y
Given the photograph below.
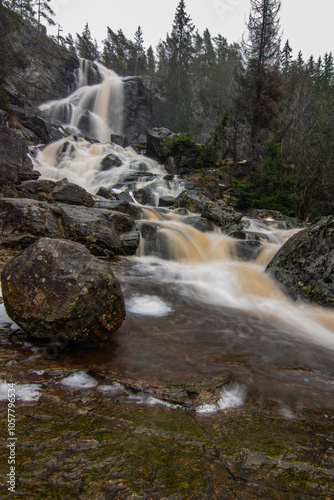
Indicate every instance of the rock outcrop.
{"type": "Point", "coordinates": [156, 143]}
{"type": "Point", "coordinates": [220, 213]}
{"type": "Point", "coordinates": [103, 232]}
{"type": "Point", "coordinates": [56, 288]}
{"type": "Point", "coordinates": [15, 165]}
{"type": "Point", "coordinates": [144, 105]}
{"type": "Point", "coordinates": [39, 69]}
{"type": "Point", "coordinates": [305, 263]}
{"type": "Point", "coordinates": [191, 202]}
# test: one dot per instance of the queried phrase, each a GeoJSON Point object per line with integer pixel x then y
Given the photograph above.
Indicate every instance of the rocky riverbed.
{"type": "Point", "coordinates": [104, 423]}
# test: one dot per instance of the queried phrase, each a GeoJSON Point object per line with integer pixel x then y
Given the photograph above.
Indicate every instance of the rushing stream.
{"type": "Point", "coordinates": [194, 310]}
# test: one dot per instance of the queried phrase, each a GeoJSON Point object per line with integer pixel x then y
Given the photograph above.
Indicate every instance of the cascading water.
{"type": "Point", "coordinates": [93, 165]}
{"type": "Point", "coordinates": [193, 307]}
{"type": "Point", "coordinates": [96, 110]}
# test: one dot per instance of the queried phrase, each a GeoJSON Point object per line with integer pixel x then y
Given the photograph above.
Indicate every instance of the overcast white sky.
{"type": "Point", "coordinates": [308, 24]}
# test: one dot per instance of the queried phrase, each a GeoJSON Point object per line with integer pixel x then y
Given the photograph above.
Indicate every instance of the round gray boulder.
{"type": "Point", "coordinates": [56, 288]}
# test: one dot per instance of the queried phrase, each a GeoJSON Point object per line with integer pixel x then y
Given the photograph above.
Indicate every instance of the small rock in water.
{"type": "Point", "coordinates": [56, 288]}
{"type": "Point", "coordinates": [166, 201]}
{"type": "Point", "coordinates": [110, 161]}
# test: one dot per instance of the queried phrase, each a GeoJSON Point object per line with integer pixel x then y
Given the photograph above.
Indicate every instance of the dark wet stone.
{"type": "Point", "coordinates": [121, 140]}
{"type": "Point", "coordinates": [67, 192]}
{"type": "Point", "coordinates": [57, 288]}
{"type": "Point", "coordinates": [124, 196]}
{"type": "Point", "coordinates": [282, 221]}
{"type": "Point", "coordinates": [156, 142]}
{"type": "Point", "coordinates": [169, 177]}
{"type": "Point", "coordinates": [25, 220]}
{"type": "Point", "coordinates": [203, 225]}
{"type": "Point", "coordinates": [192, 203]}
{"type": "Point", "coordinates": [103, 232]}
{"type": "Point", "coordinates": [107, 193]}
{"type": "Point", "coordinates": [144, 196]}
{"type": "Point", "coordinates": [110, 161]}
{"type": "Point", "coordinates": [220, 213]}
{"type": "Point", "coordinates": [304, 264]}
{"type": "Point", "coordinates": [166, 201]}
{"type": "Point", "coordinates": [120, 206]}
{"type": "Point", "coordinates": [247, 250]}
{"type": "Point", "coordinates": [15, 165]}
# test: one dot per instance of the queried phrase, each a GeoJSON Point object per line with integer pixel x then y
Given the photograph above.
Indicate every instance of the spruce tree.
{"type": "Point", "coordinates": [328, 69]}
{"type": "Point", "coordinates": [140, 56]}
{"type": "Point", "coordinates": [162, 62]}
{"type": "Point", "coordinates": [178, 84]}
{"type": "Point", "coordinates": [262, 85]}
{"type": "Point", "coordinates": [151, 64]}
{"type": "Point", "coordinates": [85, 45]}
{"type": "Point", "coordinates": [286, 57]}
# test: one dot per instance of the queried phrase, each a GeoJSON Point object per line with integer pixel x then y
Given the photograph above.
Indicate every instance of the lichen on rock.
{"type": "Point", "coordinates": [56, 288]}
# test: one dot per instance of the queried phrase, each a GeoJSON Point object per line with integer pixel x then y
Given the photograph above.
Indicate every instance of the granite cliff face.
{"type": "Point", "coordinates": [144, 105]}
{"type": "Point", "coordinates": [37, 68]}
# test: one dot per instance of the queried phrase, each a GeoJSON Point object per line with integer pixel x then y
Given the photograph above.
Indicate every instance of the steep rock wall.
{"type": "Point", "coordinates": [37, 69]}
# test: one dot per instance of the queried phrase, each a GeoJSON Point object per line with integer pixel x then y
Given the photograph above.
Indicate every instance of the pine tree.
{"type": "Point", "coordinates": [311, 67]}
{"type": "Point", "coordinates": [44, 11]}
{"type": "Point", "coordinates": [69, 43]}
{"type": "Point", "coordinates": [208, 50]}
{"type": "Point", "coordinates": [118, 53]}
{"type": "Point", "coordinates": [300, 63]}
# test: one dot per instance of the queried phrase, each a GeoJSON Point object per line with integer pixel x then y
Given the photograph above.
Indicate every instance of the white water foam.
{"type": "Point", "coordinates": [232, 396]}
{"type": "Point", "coordinates": [79, 380]}
{"type": "Point", "coordinates": [147, 305]}
{"type": "Point", "coordinates": [114, 388]}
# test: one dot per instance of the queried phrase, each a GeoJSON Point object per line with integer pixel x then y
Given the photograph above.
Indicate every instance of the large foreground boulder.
{"type": "Point", "coordinates": [305, 263]}
{"type": "Point", "coordinates": [56, 288]}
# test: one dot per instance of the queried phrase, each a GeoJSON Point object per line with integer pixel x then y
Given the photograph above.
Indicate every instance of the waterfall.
{"type": "Point", "coordinates": [176, 259]}
{"type": "Point", "coordinates": [95, 110]}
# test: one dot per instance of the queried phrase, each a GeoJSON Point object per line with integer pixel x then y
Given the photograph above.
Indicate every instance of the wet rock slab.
{"type": "Point", "coordinates": [88, 443]}
{"type": "Point", "coordinates": [103, 232]}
